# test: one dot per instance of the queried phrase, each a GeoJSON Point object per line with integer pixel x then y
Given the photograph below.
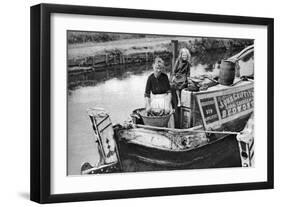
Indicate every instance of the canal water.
{"type": "Point", "coordinates": [119, 90]}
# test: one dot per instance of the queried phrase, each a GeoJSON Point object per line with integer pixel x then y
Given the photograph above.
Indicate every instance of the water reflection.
{"type": "Point", "coordinates": [200, 64]}
{"type": "Point", "coordinates": [100, 75]}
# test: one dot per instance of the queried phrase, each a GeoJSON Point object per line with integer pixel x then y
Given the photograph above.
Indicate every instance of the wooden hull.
{"type": "Point", "coordinates": [217, 154]}
{"type": "Point", "coordinates": [220, 152]}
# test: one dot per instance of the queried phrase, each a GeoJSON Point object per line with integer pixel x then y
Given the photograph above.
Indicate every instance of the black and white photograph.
{"type": "Point", "coordinates": [133, 103]}
{"type": "Point", "coordinates": [148, 102]}
{"type": "Point", "coordinates": [140, 103]}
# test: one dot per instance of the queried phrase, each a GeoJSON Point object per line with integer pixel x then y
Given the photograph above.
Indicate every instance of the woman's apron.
{"type": "Point", "coordinates": [162, 101]}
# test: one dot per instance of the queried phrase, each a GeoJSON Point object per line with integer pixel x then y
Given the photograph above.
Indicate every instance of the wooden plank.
{"type": "Point", "coordinates": [175, 44]}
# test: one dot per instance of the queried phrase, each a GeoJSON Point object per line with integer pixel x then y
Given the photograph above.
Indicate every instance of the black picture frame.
{"type": "Point", "coordinates": [41, 102]}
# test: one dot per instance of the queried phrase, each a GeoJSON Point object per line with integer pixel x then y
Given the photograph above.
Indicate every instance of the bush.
{"type": "Point", "coordinates": [82, 37]}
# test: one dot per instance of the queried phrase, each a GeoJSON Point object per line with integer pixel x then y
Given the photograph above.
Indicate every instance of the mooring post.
{"type": "Point", "coordinates": [120, 58]}
{"type": "Point", "coordinates": [175, 44]}
{"type": "Point", "coordinates": [146, 57]}
{"type": "Point", "coordinates": [93, 62]}
{"type": "Point", "coordinates": [106, 59]}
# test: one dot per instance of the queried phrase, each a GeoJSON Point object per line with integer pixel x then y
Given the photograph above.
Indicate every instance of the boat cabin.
{"type": "Point", "coordinates": [217, 106]}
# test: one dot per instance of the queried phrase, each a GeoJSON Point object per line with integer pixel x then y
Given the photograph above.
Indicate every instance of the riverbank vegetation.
{"type": "Point", "coordinates": [90, 50]}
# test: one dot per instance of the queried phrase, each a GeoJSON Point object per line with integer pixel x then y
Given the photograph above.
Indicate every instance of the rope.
{"type": "Point", "coordinates": [185, 130]}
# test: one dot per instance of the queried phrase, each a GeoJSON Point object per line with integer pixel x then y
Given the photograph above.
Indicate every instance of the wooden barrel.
{"type": "Point", "coordinates": [227, 72]}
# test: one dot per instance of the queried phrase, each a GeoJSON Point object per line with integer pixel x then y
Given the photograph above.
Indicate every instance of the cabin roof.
{"type": "Point", "coordinates": [223, 87]}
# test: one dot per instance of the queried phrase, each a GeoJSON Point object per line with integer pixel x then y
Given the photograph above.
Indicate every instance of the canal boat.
{"type": "Point", "coordinates": [211, 120]}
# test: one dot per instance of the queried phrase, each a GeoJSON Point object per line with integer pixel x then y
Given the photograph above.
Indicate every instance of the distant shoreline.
{"type": "Point", "coordinates": [127, 46]}
{"type": "Point", "coordinates": [90, 55]}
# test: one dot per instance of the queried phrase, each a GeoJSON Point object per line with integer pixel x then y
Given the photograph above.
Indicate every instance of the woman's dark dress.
{"type": "Point", "coordinates": [180, 73]}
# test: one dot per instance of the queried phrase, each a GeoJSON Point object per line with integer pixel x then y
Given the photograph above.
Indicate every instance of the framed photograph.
{"type": "Point", "coordinates": [132, 103]}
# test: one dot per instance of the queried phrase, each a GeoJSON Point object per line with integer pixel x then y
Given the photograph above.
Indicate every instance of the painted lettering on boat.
{"type": "Point", "coordinates": [234, 103]}
{"type": "Point", "coordinates": [209, 109]}
{"type": "Point", "coordinates": [219, 107]}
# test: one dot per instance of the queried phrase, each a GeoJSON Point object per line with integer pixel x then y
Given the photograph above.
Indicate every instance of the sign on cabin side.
{"type": "Point", "coordinates": [219, 107]}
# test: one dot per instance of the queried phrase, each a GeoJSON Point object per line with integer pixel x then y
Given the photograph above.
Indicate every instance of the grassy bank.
{"type": "Point", "coordinates": [93, 54]}
{"type": "Point", "coordinates": [76, 37]}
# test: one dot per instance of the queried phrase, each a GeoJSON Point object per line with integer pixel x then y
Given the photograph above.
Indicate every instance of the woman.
{"type": "Point", "coordinates": [181, 72]}
{"type": "Point", "coordinates": [158, 91]}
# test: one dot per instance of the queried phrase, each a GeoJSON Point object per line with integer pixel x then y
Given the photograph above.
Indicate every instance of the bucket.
{"type": "Point", "coordinates": [158, 121]}
{"type": "Point", "coordinates": [227, 72]}
{"type": "Point", "coordinates": [136, 117]}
